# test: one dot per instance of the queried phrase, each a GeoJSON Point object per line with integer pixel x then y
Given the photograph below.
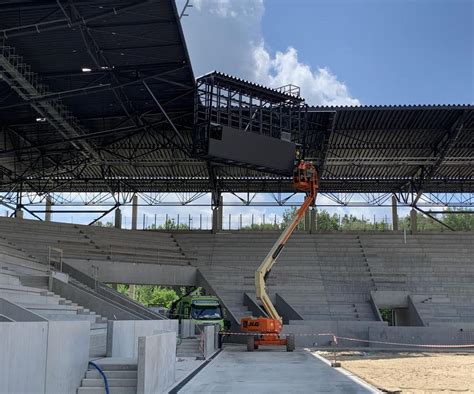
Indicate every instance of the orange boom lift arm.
{"type": "Point", "coordinates": [267, 329]}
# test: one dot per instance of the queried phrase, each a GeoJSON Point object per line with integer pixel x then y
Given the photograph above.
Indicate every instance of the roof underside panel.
{"type": "Point", "coordinates": [88, 90]}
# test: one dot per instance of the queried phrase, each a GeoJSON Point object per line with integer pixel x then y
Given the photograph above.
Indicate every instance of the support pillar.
{"type": "Point", "coordinates": [132, 292]}
{"type": "Point", "coordinates": [118, 218]}
{"type": "Point", "coordinates": [18, 211]}
{"type": "Point", "coordinates": [134, 212]}
{"type": "Point", "coordinates": [48, 209]}
{"type": "Point", "coordinates": [394, 214]}
{"type": "Point", "coordinates": [307, 219]}
{"type": "Point", "coordinates": [413, 224]}
{"type": "Point", "coordinates": [312, 225]}
{"type": "Point", "coordinates": [217, 214]}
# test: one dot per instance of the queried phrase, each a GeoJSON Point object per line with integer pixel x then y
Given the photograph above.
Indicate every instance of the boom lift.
{"type": "Point", "coordinates": [267, 330]}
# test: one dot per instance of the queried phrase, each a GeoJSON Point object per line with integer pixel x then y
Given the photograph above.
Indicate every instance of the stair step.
{"type": "Point", "coordinates": [99, 382]}
{"type": "Point", "coordinates": [94, 374]}
{"type": "Point", "coordinates": [113, 390]}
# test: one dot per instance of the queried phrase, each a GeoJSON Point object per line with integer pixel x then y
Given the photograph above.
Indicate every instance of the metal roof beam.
{"type": "Point", "coordinates": [63, 23]}
{"type": "Point", "coordinates": [176, 131]}
{"type": "Point", "coordinates": [26, 84]}
{"type": "Point", "coordinates": [426, 172]}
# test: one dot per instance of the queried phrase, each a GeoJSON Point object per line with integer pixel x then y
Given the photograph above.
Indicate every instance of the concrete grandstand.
{"type": "Point", "coordinates": [132, 126]}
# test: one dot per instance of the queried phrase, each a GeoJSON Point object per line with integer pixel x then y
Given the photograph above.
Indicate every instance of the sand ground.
{"type": "Point", "coordinates": [412, 372]}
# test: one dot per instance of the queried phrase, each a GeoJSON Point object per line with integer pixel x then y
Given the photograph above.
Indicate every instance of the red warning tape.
{"type": "Point", "coordinates": [335, 340]}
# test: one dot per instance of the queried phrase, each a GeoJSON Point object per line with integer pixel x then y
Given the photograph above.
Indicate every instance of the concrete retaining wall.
{"type": "Point", "coordinates": [90, 301]}
{"type": "Point", "coordinates": [138, 273]}
{"type": "Point", "coordinates": [286, 311]}
{"type": "Point", "coordinates": [156, 363]}
{"type": "Point", "coordinates": [122, 336]}
{"type": "Point", "coordinates": [43, 357]}
{"type": "Point", "coordinates": [16, 313]}
{"type": "Point", "coordinates": [420, 335]}
{"type": "Point", "coordinates": [67, 355]}
{"type": "Point", "coordinates": [352, 329]}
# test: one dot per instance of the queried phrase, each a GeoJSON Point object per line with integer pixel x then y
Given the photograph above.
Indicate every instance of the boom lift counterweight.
{"type": "Point", "coordinates": [267, 330]}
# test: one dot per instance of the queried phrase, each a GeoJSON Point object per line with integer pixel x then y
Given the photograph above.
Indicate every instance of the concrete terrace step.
{"type": "Point", "coordinates": [94, 374]}
{"type": "Point", "coordinates": [113, 382]}
{"type": "Point", "coordinates": [113, 390]}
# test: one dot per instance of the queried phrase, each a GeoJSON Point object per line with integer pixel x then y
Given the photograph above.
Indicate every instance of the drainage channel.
{"type": "Point", "coordinates": [188, 378]}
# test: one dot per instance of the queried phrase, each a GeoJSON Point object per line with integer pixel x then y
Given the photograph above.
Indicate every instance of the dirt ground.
{"type": "Point", "coordinates": [412, 372]}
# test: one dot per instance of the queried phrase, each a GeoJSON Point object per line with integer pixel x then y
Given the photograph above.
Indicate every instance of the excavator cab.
{"type": "Point", "coordinates": [266, 330]}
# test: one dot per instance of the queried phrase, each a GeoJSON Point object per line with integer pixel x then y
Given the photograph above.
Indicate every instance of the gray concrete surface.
{"type": "Point", "coordinates": [210, 344]}
{"type": "Point", "coordinates": [420, 335]}
{"type": "Point", "coordinates": [235, 370]}
{"type": "Point", "coordinates": [122, 336]}
{"type": "Point", "coordinates": [67, 355]}
{"type": "Point", "coordinates": [43, 357]}
{"type": "Point", "coordinates": [156, 363]}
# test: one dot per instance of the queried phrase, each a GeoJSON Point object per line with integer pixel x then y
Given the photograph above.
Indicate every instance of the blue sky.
{"type": "Point", "coordinates": [341, 51]}
{"type": "Point", "coordinates": [386, 51]}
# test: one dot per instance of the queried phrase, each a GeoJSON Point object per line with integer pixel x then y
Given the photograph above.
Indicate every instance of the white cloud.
{"type": "Point", "coordinates": [319, 87]}
{"type": "Point", "coordinates": [226, 35]}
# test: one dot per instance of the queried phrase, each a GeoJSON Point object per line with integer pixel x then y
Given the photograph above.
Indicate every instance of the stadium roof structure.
{"type": "Point", "coordinates": [98, 96]}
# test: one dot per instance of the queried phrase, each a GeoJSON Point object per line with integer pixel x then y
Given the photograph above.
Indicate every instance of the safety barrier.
{"type": "Point", "coordinates": [337, 338]}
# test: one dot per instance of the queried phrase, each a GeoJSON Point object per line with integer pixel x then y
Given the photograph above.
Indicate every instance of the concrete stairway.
{"type": "Point", "coordinates": [92, 242]}
{"type": "Point", "coordinates": [329, 276]}
{"type": "Point", "coordinates": [190, 347]}
{"type": "Point", "coordinates": [322, 277]}
{"type": "Point", "coordinates": [121, 377]}
{"type": "Point", "coordinates": [53, 307]}
{"type": "Point", "coordinates": [435, 268]}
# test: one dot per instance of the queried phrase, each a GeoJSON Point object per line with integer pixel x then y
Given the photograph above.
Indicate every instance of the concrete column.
{"type": "Point", "coordinates": [115, 286]}
{"type": "Point", "coordinates": [134, 212]}
{"type": "Point", "coordinates": [217, 215]}
{"type": "Point", "coordinates": [394, 214]}
{"type": "Point", "coordinates": [47, 209]}
{"type": "Point", "coordinates": [312, 224]}
{"type": "Point", "coordinates": [413, 225]}
{"type": "Point", "coordinates": [118, 218]}
{"type": "Point", "coordinates": [132, 291]}
{"type": "Point", "coordinates": [307, 221]}
{"type": "Point", "coordinates": [18, 211]}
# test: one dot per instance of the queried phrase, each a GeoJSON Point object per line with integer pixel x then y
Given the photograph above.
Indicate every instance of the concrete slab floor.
{"type": "Point", "coordinates": [270, 370]}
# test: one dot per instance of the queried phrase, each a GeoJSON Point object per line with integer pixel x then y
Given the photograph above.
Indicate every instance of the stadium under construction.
{"type": "Point", "coordinates": [99, 107]}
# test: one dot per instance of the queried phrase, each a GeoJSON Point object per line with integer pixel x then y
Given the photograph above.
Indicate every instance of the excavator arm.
{"type": "Point", "coordinates": [304, 179]}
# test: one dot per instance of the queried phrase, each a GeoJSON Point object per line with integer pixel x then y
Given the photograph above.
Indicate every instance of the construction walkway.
{"type": "Point", "coordinates": [235, 370]}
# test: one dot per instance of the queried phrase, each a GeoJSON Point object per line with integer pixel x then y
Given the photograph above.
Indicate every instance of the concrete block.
{"type": "Point", "coordinates": [187, 328]}
{"type": "Point", "coordinates": [122, 336]}
{"type": "Point", "coordinates": [156, 363]}
{"type": "Point", "coordinates": [210, 345]}
{"type": "Point", "coordinates": [67, 355]}
{"type": "Point", "coordinates": [349, 329]}
{"type": "Point", "coordinates": [23, 357]}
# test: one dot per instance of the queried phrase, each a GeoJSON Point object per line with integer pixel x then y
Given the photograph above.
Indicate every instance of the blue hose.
{"type": "Point", "coordinates": [106, 383]}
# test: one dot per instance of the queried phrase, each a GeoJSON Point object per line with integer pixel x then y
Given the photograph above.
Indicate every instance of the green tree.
{"type": "Point", "coordinates": [170, 224]}
{"type": "Point", "coordinates": [156, 295]}
{"type": "Point", "coordinates": [463, 221]}
{"type": "Point", "coordinates": [350, 222]}
{"type": "Point", "coordinates": [261, 227]}
{"type": "Point", "coordinates": [327, 222]}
